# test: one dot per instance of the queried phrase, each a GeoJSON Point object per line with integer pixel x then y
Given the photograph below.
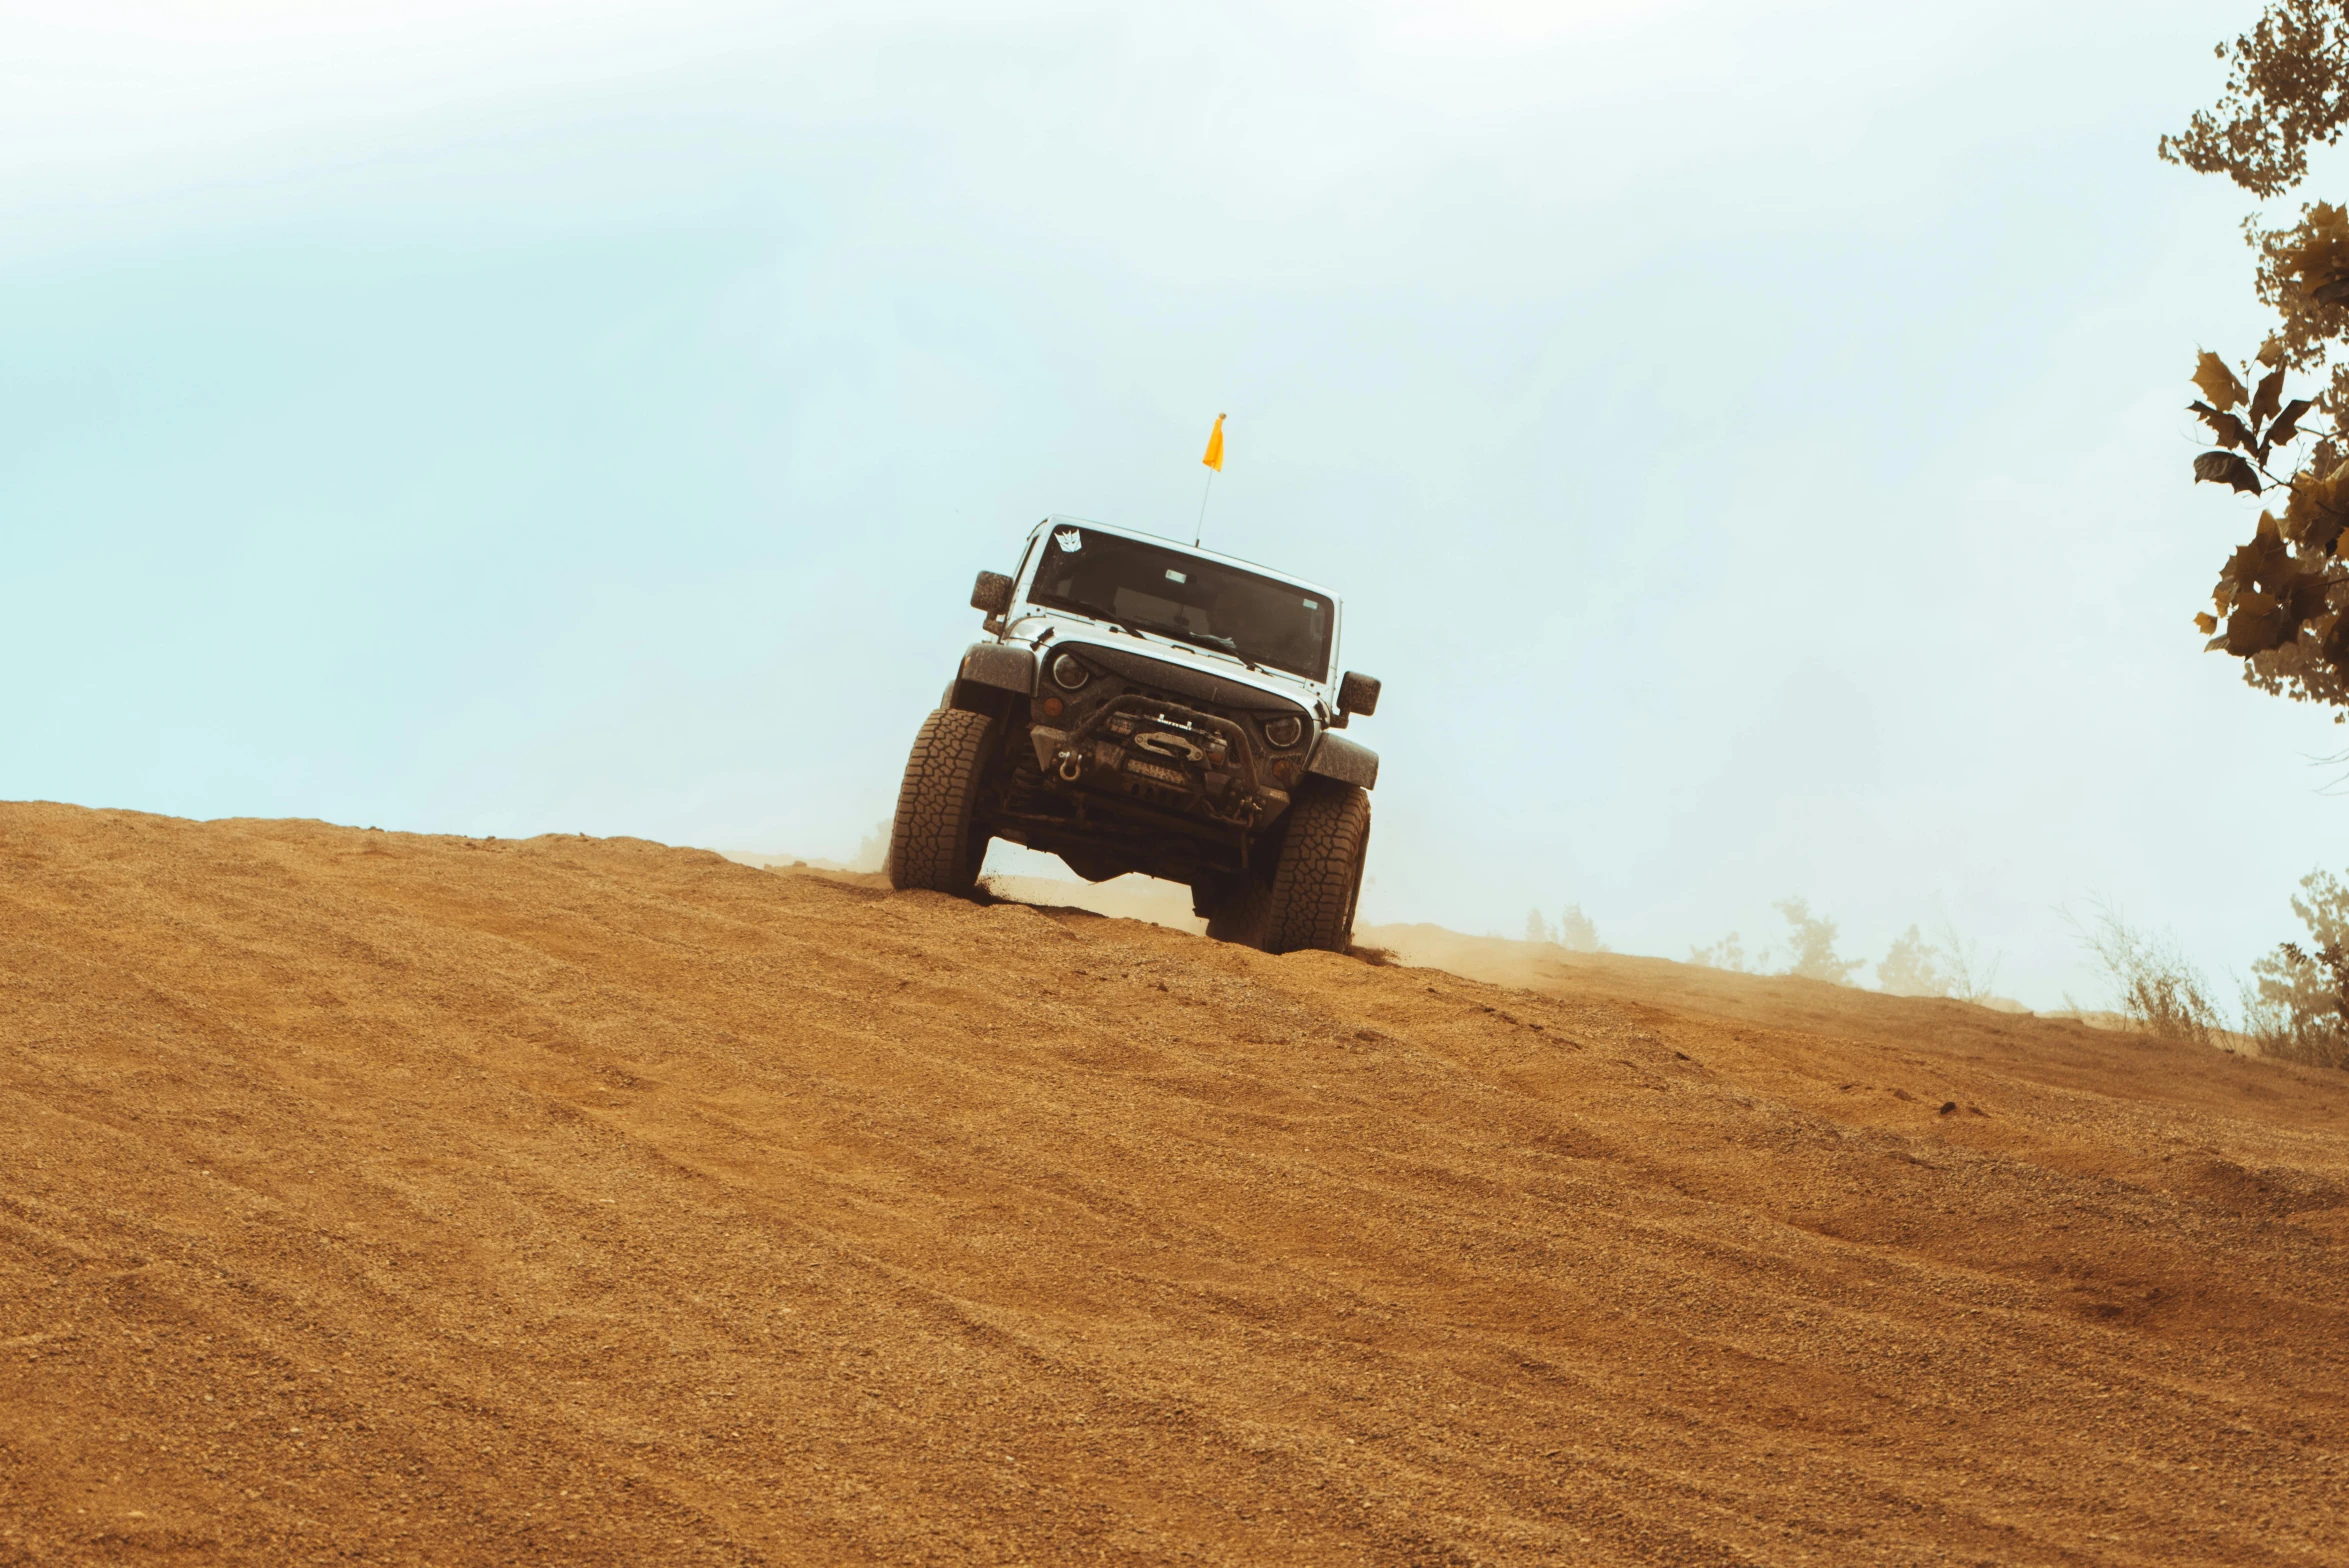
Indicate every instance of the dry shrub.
{"type": "Point", "coordinates": [1813, 939]}
{"type": "Point", "coordinates": [1947, 966]}
{"type": "Point", "coordinates": [1575, 931]}
{"type": "Point", "coordinates": [1913, 968]}
{"type": "Point", "coordinates": [2155, 988]}
{"type": "Point", "coordinates": [2297, 1006]}
{"type": "Point", "coordinates": [1811, 954]}
{"type": "Point", "coordinates": [1729, 954]}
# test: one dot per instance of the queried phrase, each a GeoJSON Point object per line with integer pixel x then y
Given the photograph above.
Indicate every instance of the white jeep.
{"type": "Point", "coordinates": [1146, 706]}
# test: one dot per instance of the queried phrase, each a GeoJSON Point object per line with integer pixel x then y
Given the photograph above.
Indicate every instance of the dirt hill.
{"type": "Point", "coordinates": [371, 1197]}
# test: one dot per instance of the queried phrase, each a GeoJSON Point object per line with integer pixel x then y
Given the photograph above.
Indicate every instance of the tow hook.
{"type": "Point", "coordinates": [1068, 766]}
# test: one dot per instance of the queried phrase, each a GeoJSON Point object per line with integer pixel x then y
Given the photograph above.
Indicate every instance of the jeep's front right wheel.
{"type": "Point", "coordinates": [935, 842]}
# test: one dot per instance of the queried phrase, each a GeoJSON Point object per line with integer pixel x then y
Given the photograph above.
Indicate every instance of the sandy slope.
{"type": "Point", "coordinates": [398, 1199]}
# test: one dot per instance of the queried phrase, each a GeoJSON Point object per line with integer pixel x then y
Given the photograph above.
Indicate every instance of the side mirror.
{"type": "Point", "coordinates": [992, 593]}
{"type": "Point", "coordinates": [1358, 694]}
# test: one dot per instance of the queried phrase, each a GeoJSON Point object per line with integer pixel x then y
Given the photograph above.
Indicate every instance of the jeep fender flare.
{"type": "Point", "coordinates": [1347, 761]}
{"type": "Point", "coordinates": [989, 669]}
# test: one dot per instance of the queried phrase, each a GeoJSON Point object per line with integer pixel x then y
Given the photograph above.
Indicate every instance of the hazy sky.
{"type": "Point", "coordinates": [1748, 436]}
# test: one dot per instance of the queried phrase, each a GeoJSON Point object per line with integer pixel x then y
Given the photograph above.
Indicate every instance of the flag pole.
{"type": "Point", "coordinates": [1213, 458]}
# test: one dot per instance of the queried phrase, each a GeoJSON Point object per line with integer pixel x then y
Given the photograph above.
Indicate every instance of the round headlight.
{"type": "Point", "coordinates": [1068, 674]}
{"type": "Point", "coordinates": [1284, 731]}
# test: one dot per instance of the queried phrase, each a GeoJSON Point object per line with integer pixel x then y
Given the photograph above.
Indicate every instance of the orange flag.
{"type": "Point", "coordinates": [1214, 457]}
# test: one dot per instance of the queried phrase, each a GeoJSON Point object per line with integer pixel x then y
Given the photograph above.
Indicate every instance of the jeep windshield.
{"type": "Point", "coordinates": [1150, 588]}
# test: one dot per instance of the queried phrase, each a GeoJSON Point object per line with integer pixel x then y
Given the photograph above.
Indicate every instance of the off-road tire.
{"type": "Point", "coordinates": [1315, 883]}
{"type": "Point", "coordinates": [934, 842]}
{"type": "Point", "coordinates": [1237, 911]}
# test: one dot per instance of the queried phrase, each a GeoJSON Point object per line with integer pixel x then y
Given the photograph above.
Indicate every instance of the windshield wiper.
{"type": "Point", "coordinates": [1147, 629]}
{"type": "Point", "coordinates": [1128, 627]}
{"type": "Point", "coordinates": [1204, 640]}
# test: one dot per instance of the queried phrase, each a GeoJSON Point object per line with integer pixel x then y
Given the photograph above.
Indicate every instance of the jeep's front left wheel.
{"type": "Point", "coordinates": [1307, 897]}
{"type": "Point", "coordinates": [1318, 879]}
{"type": "Point", "coordinates": [935, 842]}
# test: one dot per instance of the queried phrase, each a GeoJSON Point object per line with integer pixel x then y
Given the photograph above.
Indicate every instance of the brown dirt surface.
{"type": "Point", "coordinates": [384, 1198]}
